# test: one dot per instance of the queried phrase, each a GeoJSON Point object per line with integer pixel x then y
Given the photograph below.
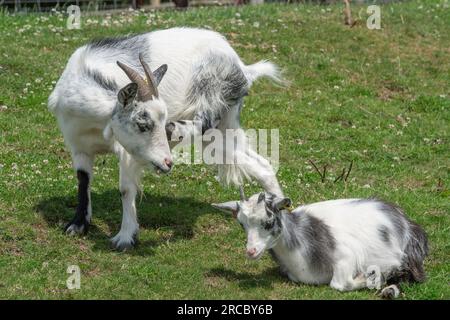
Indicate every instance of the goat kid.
{"type": "Point", "coordinates": [205, 83]}
{"type": "Point", "coordinates": [347, 243]}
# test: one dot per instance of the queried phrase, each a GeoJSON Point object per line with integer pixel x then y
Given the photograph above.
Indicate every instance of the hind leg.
{"type": "Point", "coordinates": [82, 164]}
{"type": "Point", "coordinates": [390, 292]}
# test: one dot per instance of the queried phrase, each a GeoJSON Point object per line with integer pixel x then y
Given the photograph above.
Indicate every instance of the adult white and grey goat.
{"type": "Point", "coordinates": [205, 84]}
{"type": "Point", "coordinates": [347, 243]}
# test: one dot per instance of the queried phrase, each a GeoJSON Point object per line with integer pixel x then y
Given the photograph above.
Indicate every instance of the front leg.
{"type": "Point", "coordinates": [343, 279]}
{"type": "Point", "coordinates": [129, 179]}
{"type": "Point", "coordinates": [83, 165]}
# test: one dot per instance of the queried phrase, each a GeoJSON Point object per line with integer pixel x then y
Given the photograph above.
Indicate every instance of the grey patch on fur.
{"type": "Point", "coordinates": [396, 216]}
{"type": "Point", "coordinates": [383, 232]}
{"type": "Point", "coordinates": [416, 243]}
{"type": "Point", "coordinates": [312, 235]}
{"type": "Point", "coordinates": [102, 81]}
{"type": "Point", "coordinates": [416, 247]}
{"type": "Point", "coordinates": [124, 43]}
{"type": "Point", "coordinates": [127, 49]}
{"type": "Point", "coordinates": [218, 82]}
{"type": "Point", "coordinates": [393, 213]}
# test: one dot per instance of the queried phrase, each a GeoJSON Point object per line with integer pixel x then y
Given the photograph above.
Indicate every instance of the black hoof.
{"type": "Point", "coordinates": [76, 227]}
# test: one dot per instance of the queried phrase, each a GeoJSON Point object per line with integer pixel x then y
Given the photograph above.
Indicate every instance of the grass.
{"type": "Point", "coordinates": [378, 97]}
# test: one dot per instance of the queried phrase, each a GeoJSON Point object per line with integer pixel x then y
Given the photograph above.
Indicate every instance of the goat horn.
{"type": "Point", "coordinates": [241, 191]}
{"type": "Point", "coordinates": [134, 76]}
{"type": "Point", "coordinates": [150, 77]}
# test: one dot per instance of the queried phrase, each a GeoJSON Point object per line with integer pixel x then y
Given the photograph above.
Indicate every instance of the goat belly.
{"type": "Point", "coordinates": [298, 268]}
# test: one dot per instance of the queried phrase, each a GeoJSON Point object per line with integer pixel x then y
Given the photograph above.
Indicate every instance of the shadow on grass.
{"type": "Point", "coordinates": [174, 216]}
{"type": "Point", "coordinates": [248, 280]}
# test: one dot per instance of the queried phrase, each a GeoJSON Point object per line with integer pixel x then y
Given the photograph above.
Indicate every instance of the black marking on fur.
{"type": "Point", "coordinates": [81, 212]}
{"type": "Point", "coordinates": [101, 80]}
{"type": "Point", "coordinates": [383, 232]}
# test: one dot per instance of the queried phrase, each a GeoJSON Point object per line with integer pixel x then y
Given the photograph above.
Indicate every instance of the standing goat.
{"type": "Point", "coordinates": [205, 84]}
{"type": "Point", "coordinates": [347, 243]}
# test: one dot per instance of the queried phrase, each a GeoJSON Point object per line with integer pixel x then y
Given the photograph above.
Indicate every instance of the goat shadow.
{"type": "Point", "coordinates": [247, 280]}
{"type": "Point", "coordinates": [175, 216]}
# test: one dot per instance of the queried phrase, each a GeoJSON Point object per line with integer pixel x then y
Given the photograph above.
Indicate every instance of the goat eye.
{"type": "Point", "coordinates": [144, 122]}
{"type": "Point", "coordinates": [268, 224]}
{"type": "Point", "coordinates": [145, 126]}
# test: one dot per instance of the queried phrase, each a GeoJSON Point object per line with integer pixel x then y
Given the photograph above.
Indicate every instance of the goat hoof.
{"type": "Point", "coordinates": [390, 292]}
{"type": "Point", "coordinates": [121, 245]}
{"type": "Point", "coordinates": [74, 228]}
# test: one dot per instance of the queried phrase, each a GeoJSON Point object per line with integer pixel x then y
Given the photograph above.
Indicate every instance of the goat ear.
{"type": "Point", "coordinates": [261, 197]}
{"type": "Point", "coordinates": [228, 207]}
{"type": "Point", "coordinates": [159, 73]}
{"type": "Point", "coordinates": [127, 94]}
{"type": "Point", "coordinates": [107, 132]}
{"type": "Point", "coordinates": [281, 203]}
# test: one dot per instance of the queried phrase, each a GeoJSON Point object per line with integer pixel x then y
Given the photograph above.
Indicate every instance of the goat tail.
{"type": "Point", "coordinates": [264, 68]}
{"type": "Point", "coordinates": [416, 250]}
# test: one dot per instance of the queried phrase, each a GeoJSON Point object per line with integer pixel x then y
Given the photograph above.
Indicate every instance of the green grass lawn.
{"type": "Point", "coordinates": [378, 97]}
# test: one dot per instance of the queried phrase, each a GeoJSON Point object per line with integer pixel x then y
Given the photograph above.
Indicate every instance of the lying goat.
{"type": "Point", "coordinates": [205, 84]}
{"type": "Point", "coordinates": [346, 243]}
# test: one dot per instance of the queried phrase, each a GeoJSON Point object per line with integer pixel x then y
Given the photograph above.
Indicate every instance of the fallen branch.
{"type": "Point", "coordinates": [349, 170]}
{"type": "Point", "coordinates": [321, 174]}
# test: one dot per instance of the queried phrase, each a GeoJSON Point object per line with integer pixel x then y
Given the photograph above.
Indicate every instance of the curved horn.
{"type": "Point", "coordinates": [144, 93]}
{"type": "Point", "coordinates": [152, 86]}
{"type": "Point", "coordinates": [241, 191]}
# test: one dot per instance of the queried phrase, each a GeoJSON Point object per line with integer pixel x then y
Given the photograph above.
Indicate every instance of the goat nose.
{"type": "Point", "coordinates": [168, 163]}
{"type": "Point", "coordinates": [251, 252]}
